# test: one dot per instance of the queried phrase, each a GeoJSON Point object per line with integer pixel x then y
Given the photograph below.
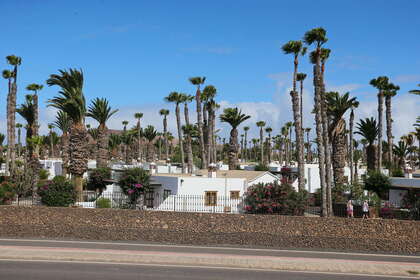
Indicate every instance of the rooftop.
{"type": "Point", "coordinates": [248, 175]}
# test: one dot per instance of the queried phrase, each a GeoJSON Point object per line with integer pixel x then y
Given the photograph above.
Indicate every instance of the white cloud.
{"type": "Point", "coordinates": [407, 78]}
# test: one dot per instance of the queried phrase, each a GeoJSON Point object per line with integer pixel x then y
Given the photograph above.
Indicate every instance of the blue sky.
{"type": "Point", "coordinates": [135, 52]}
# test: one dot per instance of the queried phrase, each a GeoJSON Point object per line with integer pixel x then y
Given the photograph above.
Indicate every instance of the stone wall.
{"type": "Point", "coordinates": [212, 229]}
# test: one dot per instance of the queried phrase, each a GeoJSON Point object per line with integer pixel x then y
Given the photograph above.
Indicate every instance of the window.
{"type": "Point", "coordinates": [210, 198]}
{"type": "Point", "coordinates": [234, 194]}
{"type": "Point", "coordinates": [166, 193]}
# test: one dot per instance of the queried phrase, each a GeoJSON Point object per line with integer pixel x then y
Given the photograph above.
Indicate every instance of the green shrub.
{"type": "Point", "coordinates": [43, 174]}
{"type": "Point", "coordinates": [398, 172]}
{"type": "Point", "coordinates": [378, 183]}
{"type": "Point", "coordinates": [275, 198]}
{"type": "Point", "coordinates": [58, 193]}
{"type": "Point", "coordinates": [7, 192]}
{"type": "Point", "coordinates": [134, 182]}
{"type": "Point", "coordinates": [261, 167]}
{"type": "Point", "coordinates": [103, 203]}
{"type": "Point", "coordinates": [98, 179]}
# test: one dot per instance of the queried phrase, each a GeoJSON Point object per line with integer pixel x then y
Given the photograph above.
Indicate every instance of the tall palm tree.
{"type": "Point", "coordinates": [209, 93]}
{"type": "Point", "coordinates": [234, 117]}
{"type": "Point", "coordinates": [246, 129]}
{"type": "Point", "coordinates": [11, 76]}
{"type": "Point", "coordinates": [150, 134]}
{"type": "Point", "coordinates": [63, 122]}
{"type": "Point", "coordinates": [337, 106]}
{"type": "Point", "coordinates": [269, 130]}
{"type": "Point", "coordinates": [308, 145]}
{"type": "Point", "coordinates": [51, 127]}
{"type": "Point", "coordinates": [177, 98]}
{"type": "Point", "coordinates": [296, 48]}
{"type": "Point", "coordinates": [351, 141]}
{"type": "Point", "coordinates": [101, 111]}
{"type": "Point", "coordinates": [368, 129]}
{"type": "Point", "coordinates": [35, 88]}
{"type": "Point", "coordinates": [289, 126]}
{"type": "Point", "coordinates": [261, 124]}
{"type": "Point", "coordinates": [71, 100]}
{"type": "Point", "coordinates": [189, 131]}
{"type": "Point", "coordinates": [380, 83]}
{"type": "Point", "coordinates": [185, 98]}
{"type": "Point", "coordinates": [318, 37]}
{"type": "Point", "coordinates": [300, 77]}
{"type": "Point", "coordinates": [165, 113]}
{"type": "Point", "coordinates": [415, 91]}
{"type": "Point", "coordinates": [389, 92]}
{"type": "Point", "coordinates": [138, 117]}
{"type": "Point", "coordinates": [19, 127]}
{"type": "Point", "coordinates": [114, 141]}
{"type": "Point", "coordinates": [198, 81]}
{"type": "Point", "coordinates": [285, 133]}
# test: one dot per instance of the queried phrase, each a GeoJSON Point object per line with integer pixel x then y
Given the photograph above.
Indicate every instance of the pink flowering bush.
{"type": "Point", "coordinates": [134, 182]}
{"type": "Point", "coordinates": [275, 198]}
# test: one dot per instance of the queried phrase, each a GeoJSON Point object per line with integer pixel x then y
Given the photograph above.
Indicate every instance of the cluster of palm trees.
{"type": "Point", "coordinates": [197, 141]}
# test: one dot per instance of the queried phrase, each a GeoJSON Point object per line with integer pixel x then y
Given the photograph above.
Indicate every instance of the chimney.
{"type": "Point", "coordinates": [212, 170]}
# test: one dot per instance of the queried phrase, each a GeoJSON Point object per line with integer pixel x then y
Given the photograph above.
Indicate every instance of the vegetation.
{"type": "Point", "coordinates": [98, 177]}
{"type": "Point", "coordinates": [134, 182]}
{"type": "Point", "coordinates": [378, 183]}
{"type": "Point", "coordinates": [58, 193]}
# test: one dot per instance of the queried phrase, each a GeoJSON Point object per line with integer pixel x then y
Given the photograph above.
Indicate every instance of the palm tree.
{"type": "Point", "coordinates": [150, 134]}
{"type": "Point", "coordinates": [63, 122]}
{"type": "Point", "coordinates": [209, 93]}
{"type": "Point", "coordinates": [19, 127]}
{"type": "Point", "coordinates": [285, 133]}
{"type": "Point", "coordinates": [138, 117]}
{"type": "Point", "coordinates": [50, 127]}
{"type": "Point", "coordinates": [177, 98]}
{"type": "Point", "coordinates": [35, 88]}
{"type": "Point", "coordinates": [198, 81]}
{"type": "Point", "coordinates": [368, 129]}
{"type": "Point", "coordinates": [289, 126]}
{"type": "Point", "coordinates": [11, 76]}
{"type": "Point", "coordinates": [318, 37]}
{"type": "Point", "coordinates": [308, 145]}
{"type": "Point", "coordinates": [185, 98]}
{"type": "Point", "coordinates": [401, 152]}
{"type": "Point", "coordinates": [114, 141]}
{"type": "Point", "coordinates": [246, 129]}
{"type": "Point", "coordinates": [71, 100]}
{"type": "Point", "coordinates": [351, 148]}
{"type": "Point", "coordinates": [234, 117]}
{"type": "Point", "coordinates": [261, 124]}
{"type": "Point", "coordinates": [337, 106]}
{"type": "Point", "coordinates": [101, 111]}
{"type": "Point", "coordinates": [415, 91]}
{"type": "Point", "coordinates": [380, 83]}
{"type": "Point", "coordinates": [269, 130]}
{"type": "Point", "coordinates": [165, 113]}
{"type": "Point", "coordinates": [2, 137]}
{"type": "Point", "coordinates": [389, 92]}
{"type": "Point", "coordinates": [296, 48]}
{"type": "Point", "coordinates": [300, 77]}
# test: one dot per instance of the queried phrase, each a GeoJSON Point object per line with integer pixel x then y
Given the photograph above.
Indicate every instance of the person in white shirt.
{"type": "Point", "coordinates": [365, 209]}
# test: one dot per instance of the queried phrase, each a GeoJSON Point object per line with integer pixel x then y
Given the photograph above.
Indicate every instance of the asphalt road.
{"type": "Point", "coordinates": [40, 270]}
{"type": "Point", "coordinates": [211, 250]}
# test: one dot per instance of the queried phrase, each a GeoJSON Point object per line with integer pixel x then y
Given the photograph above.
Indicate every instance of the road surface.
{"type": "Point", "coordinates": [75, 259]}
{"type": "Point", "coordinates": [35, 270]}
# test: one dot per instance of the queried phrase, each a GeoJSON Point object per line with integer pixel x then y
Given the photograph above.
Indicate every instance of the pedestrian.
{"type": "Point", "coordinates": [350, 209]}
{"type": "Point", "coordinates": [365, 209]}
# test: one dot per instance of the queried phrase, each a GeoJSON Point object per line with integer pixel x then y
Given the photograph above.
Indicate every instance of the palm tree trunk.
{"type": "Point", "coordinates": [389, 129]}
{"type": "Point", "coordinates": [371, 155]}
{"type": "Point", "coordinates": [213, 135]}
{"type": "Point", "coordinates": [165, 135]}
{"type": "Point", "coordinates": [78, 155]}
{"type": "Point", "coordinates": [380, 125]}
{"type": "Point", "coordinates": [65, 153]}
{"type": "Point", "coordinates": [200, 130]}
{"type": "Point", "coordinates": [11, 134]}
{"type": "Point", "coordinates": [102, 153]}
{"type": "Point", "coordinates": [189, 141]}
{"type": "Point", "coordinates": [338, 158]}
{"type": "Point", "coordinates": [209, 136]}
{"type": "Point", "coordinates": [319, 138]}
{"type": "Point", "coordinates": [181, 146]}
{"type": "Point", "coordinates": [351, 157]}
{"type": "Point", "coordinates": [245, 146]}
{"type": "Point", "coordinates": [233, 149]}
{"type": "Point", "coordinates": [298, 131]}
{"type": "Point", "coordinates": [328, 160]}
{"type": "Point", "coordinates": [139, 140]}
{"type": "Point", "coordinates": [261, 146]}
